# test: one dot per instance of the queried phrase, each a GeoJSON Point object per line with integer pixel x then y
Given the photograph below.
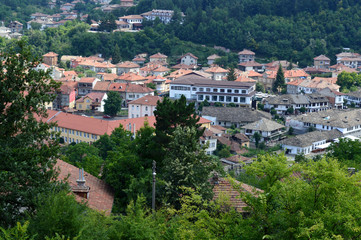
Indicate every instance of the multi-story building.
{"type": "Point", "coordinates": [199, 89]}
{"type": "Point", "coordinates": [246, 56]}
{"type": "Point", "coordinates": [164, 16]}
{"type": "Point", "coordinates": [143, 107]}
{"type": "Point", "coordinates": [321, 62]}
{"type": "Point", "coordinates": [93, 101]}
{"type": "Point", "coordinates": [86, 85]}
{"type": "Point", "coordinates": [188, 59]}
{"type": "Point", "coordinates": [50, 58]}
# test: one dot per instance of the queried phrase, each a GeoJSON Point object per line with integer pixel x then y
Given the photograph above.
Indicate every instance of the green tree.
{"type": "Point", "coordinates": [259, 87]}
{"type": "Point", "coordinates": [187, 165]}
{"type": "Point", "coordinates": [303, 110]}
{"type": "Point", "coordinates": [257, 138]}
{"type": "Point", "coordinates": [290, 110]}
{"type": "Point", "coordinates": [346, 151]}
{"type": "Point", "coordinates": [27, 152]}
{"type": "Point", "coordinates": [116, 54]}
{"type": "Point", "coordinates": [231, 76]}
{"type": "Point", "coordinates": [113, 104]}
{"type": "Point", "coordinates": [170, 114]}
{"type": "Point", "coordinates": [152, 85]}
{"type": "Point", "coordinates": [84, 156]}
{"type": "Point", "coordinates": [279, 83]}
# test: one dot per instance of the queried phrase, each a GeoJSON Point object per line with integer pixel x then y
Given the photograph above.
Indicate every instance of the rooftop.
{"type": "Point", "coordinates": [307, 139]}
{"type": "Point", "coordinates": [229, 114]}
{"type": "Point", "coordinates": [246, 52]}
{"type": "Point", "coordinates": [147, 100]}
{"type": "Point", "coordinates": [264, 125]}
{"type": "Point", "coordinates": [193, 79]}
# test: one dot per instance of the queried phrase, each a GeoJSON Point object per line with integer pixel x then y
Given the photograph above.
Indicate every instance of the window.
{"type": "Point", "coordinates": [88, 101]}
{"type": "Point", "coordinates": [133, 107]}
{"type": "Point", "coordinates": [80, 134]}
{"type": "Point", "coordinates": [201, 89]}
{"type": "Point", "coordinates": [221, 98]}
{"type": "Point", "coordinates": [87, 135]}
{"type": "Point", "coordinates": [228, 99]}
{"type": "Point", "coordinates": [181, 88]}
{"type": "Point", "coordinates": [221, 90]}
{"type": "Point", "coordinates": [229, 90]}
{"type": "Point", "coordinates": [208, 89]}
{"type": "Point", "coordinates": [77, 133]}
{"type": "Point", "coordinates": [146, 108]}
{"type": "Point", "coordinates": [214, 98]}
{"type": "Point", "coordinates": [207, 97]}
{"type": "Point", "coordinates": [215, 90]}
{"type": "Point", "coordinates": [236, 91]}
{"type": "Point", "coordinates": [66, 139]}
{"type": "Point", "coordinates": [235, 99]}
{"type": "Point", "coordinates": [200, 97]}
{"type": "Point", "coordinates": [194, 89]}
{"type": "Point", "coordinates": [242, 99]}
{"type": "Point", "coordinates": [244, 91]}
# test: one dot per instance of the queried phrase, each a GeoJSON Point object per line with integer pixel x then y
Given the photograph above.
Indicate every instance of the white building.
{"type": "Point", "coordinates": [308, 142]}
{"type": "Point", "coordinates": [347, 121]}
{"type": "Point", "coordinates": [143, 107]}
{"type": "Point", "coordinates": [353, 97]}
{"type": "Point", "coordinates": [268, 129]}
{"type": "Point", "coordinates": [188, 59]}
{"type": "Point", "coordinates": [208, 139]}
{"type": "Point", "coordinates": [164, 16]}
{"type": "Point", "coordinates": [198, 89]}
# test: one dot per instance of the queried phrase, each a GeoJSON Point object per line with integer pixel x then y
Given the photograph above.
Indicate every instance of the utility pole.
{"type": "Point", "coordinates": [153, 192]}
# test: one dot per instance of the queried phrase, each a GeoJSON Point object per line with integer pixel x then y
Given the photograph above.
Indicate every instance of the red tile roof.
{"type": "Point", "coordinates": [50, 54]}
{"type": "Point", "coordinates": [147, 100]}
{"type": "Point", "coordinates": [321, 58]}
{"type": "Point", "coordinates": [101, 86]}
{"type": "Point", "coordinates": [216, 69]}
{"type": "Point", "coordinates": [158, 55]}
{"type": "Point", "coordinates": [87, 80]}
{"type": "Point", "coordinates": [250, 64]}
{"type": "Point", "coordinates": [131, 77]}
{"type": "Point", "coordinates": [127, 64]}
{"type": "Point", "coordinates": [101, 196]}
{"type": "Point", "coordinates": [189, 54]}
{"type": "Point", "coordinates": [246, 52]}
{"type": "Point", "coordinates": [223, 188]}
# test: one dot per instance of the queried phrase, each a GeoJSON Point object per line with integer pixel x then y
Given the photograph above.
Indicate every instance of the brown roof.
{"type": "Point", "coordinates": [254, 74]}
{"type": "Point", "coordinates": [87, 80]}
{"type": "Point", "coordinates": [108, 76]}
{"type": "Point", "coordinates": [321, 58]}
{"type": "Point", "coordinates": [101, 86]}
{"type": "Point", "coordinates": [93, 96]}
{"type": "Point", "coordinates": [246, 52]}
{"type": "Point", "coordinates": [50, 54]}
{"type": "Point", "coordinates": [244, 79]}
{"type": "Point", "coordinates": [184, 66]}
{"type": "Point", "coordinates": [101, 196]}
{"type": "Point", "coordinates": [147, 100]}
{"type": "Point", "coordinates": [130, 76]}
{"type": "Point", "coordinates": [189, 54]}
{"type": "Point", "coordinates": [127, 64]}
{"type": "Point", "coordinates": [295, 73]}
{"type": "Point", "coordinates": [242, 137]}
{"type": "Point", "coordinates": [133, 88]}
{"type": "Point", "coordinates": [250, 64]}
{"type": "Point", "coordinates": [158, 55]}
{"type": "Point", "coordinates": [216, 69]}
{"type": "Point", "coordinates": [224, 188]}
{"type": "Point", "coordinates": [213, 57]}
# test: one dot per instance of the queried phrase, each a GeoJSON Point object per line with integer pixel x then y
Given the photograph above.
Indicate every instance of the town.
{"type": "Point", "coordinates": [190, 129]}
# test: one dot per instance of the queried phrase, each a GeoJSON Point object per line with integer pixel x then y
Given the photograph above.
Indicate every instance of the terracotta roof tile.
{"type": "Point", "coordinates": [147, 100]}
{"type": "Point", "coordinates": [158, 55]}
{"type": "Point", "coordinates": [246, 52]}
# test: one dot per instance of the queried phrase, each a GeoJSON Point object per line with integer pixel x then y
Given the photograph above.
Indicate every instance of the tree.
{"type": "Point", "coordinates": [259, 87]}
{"type": "Point", "coordinates": [290, 110]}
{"type": "Point", "coordinates": [152, 85]}
{"type": "Point", "coordinates": [346, 151]}
{"type": "Point", "coordinates": [170, 114]}
{"type": "Point", "coordinates": [108, 23]}
{"type": "Point", "coordinates": [231, 76]}
{"type": "Point", "coordinates": [113, 104]}
{"type": "Point", "coordinates": [116, 54]}
{"type": "Point", "coordinates": [279, 83]}
{"type": "Point", "coordinates": [27, 152]}
{"type": "Point", "coordinates": [303, 110]}
{"type": "Point", "coordinates": [257, 137]}
{"type": "Point", "coordinates": [187, 165]}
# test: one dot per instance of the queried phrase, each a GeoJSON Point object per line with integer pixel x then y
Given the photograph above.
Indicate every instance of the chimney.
{"type": "Point", "coordinates": [81, 189]}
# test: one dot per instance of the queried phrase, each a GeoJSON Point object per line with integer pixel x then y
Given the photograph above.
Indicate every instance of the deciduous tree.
{"type": "Point", "coordinates": [113, 104]}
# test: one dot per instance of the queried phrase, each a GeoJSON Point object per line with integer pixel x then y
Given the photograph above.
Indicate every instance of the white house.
{"type": "Point", "coordinates": [197, 88]}
{"type": "Point", "coordinates": [268, 129]}
{"type": "Point", "coordinates": [188, 59]}
{"type": "Point", "coordinates": [143, 107]}
{"type": "Point", "coordinates": [347, 121]}
{"type": "Point", "coordinates": [208, 138]}
{"type": "Point", "coordinates": [246, 56]}
{"type": "Point", "coordinates": [217, 72]}
{"type": "Point", "coordinates": [308, 142]}
{"type": "Point", "coordinates": [354, 97]}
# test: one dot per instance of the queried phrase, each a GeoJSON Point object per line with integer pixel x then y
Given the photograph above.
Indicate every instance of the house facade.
{"type": "Point", "coordinates": [188, 59]}
{"type": "Point", "coordinates": [143, 107]}
{"type": "Point", "coordinates": [198, 89]}
{"type": "Point", "coordinates": [86, 85]}
{"type": "Point", "coordinates": [268, 130]}
{"type": "Point", "coordinates": [321, 62]}
{"type": "Point", "coordinates": [93, 101]}
{"type": "Point", "coordinates": [246, 56]}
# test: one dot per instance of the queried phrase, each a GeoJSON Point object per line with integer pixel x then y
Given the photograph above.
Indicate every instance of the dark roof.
{"type": "Point", "coordinates": [242, 137]}
{"type": "Point", "coordinates": [235, 115]}
{"type": "Point", "coordinates": [201, 81]}
{"type": "Point", "coordinates": [264, 125]}
{"type": "Point", "coordinates": [296, 99]}
{"type": "Point", "coordinates": [307, 139]}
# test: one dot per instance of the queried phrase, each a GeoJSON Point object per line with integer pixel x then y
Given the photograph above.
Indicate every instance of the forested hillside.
{"type": "Point", "coordinates": [292, 30]}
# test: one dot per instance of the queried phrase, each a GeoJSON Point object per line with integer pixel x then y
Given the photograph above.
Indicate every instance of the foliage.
{"type": "Point", "coordinates": [231, 76]}
{"type": "Point", "coordinates": [260, 106]}
{"type": "Point", "coordinates": [290, 110]}
{"type": "Point", "coordinates": [18, 232]}
{"type": "Point", "coordinates": [113, 103]}
{"type": "Point", "coordinates": [347, 152]}
{"type": "Point", "coordinates": [302, 110]}
{"type": "Point", "coordinates": [257, 138]}
{"type": "Point", "coordinates": [349, 81]}
{"type": "Point", "coordinates": [224, 151]}
{"type": "Point", "coordinates": [83, 155]}
{"type": "Point", "coordinates": [152, 85]}
{"type": "Point", "coordinates": [27, 153]}
{"type": "Point", "coordinates": [116, 58]}
{"type": "Point", "coordinates": [259, 87]}
{"type": "Point", "coordinates": [205, 103]}
{"type": "Point", "coordinates": [291, 131]}
{"type": "Point", "coordinates": [279, 85]}
{"type": "Point", "coordinates": [187, 165]}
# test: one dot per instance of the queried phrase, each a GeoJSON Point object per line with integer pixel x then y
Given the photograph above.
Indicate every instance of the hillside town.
{"type": "Point", "coordinates": [143, 126]}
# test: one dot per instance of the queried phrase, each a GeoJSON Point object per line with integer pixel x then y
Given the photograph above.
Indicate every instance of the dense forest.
{"type": "Point", "coordinates": [292, 30]}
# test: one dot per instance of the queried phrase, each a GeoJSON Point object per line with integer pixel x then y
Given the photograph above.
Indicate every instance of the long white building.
{"type": "Point", "coordinates": [196, 88]}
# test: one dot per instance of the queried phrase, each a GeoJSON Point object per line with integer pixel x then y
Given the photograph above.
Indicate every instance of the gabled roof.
{"type": "Point", "coordinates": [250, 64]}
{"type": "Point", "coordinates": [158, 55]}
{"type": "Point", "coordinates": [223, 188]}
{"type": "Point", "coordinates": [254, 74]}
{"type": "Point", "coordinates": [131, 77]}
{"type": "Point", "coordinates": [87, 80]}
{"type": "Point", "coordinates": [101, 196]}
{"type": "Point", "coordinates": [213, 57]}
{"type": "Point", "coordinates": [127, 64]}
{"type": "Point", "coordinates": [264, 125]}
{"type": "Point", "coordinates": [193, 79]}
{"type": "Point", "coordinates": [101, 86]}
{"type": "Point", "coordinates": [246, 52]}
{"type": "Point", "coordinates": [321, 58]}
{"type": "Point", "coordinates": [93, 96]}
{"type": "Point", "coordinates": [51, 54]}
{"type": "Point", "coordinates": [243, 78]}
{"type": "Point", "coordinates": [307, 139]}
{"type": "Point", "coordinates": [216, 69]}
{"type": "Point", "coordinates": [235, 115]}
{"type": "Point", "coordinates": [131, 17]}
{"type": "Point", "coordinates": [294, 73]}
{"type": "Point", "coordinates": [189, 54]}
{"type": "Point", "coordinates": [147, 100]}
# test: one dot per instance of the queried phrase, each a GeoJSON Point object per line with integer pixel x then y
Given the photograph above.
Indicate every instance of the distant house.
{"type": "Point", "coordinates": [135, 21]}
{"type": "Point", "coordinates": [209, 139]}
{"type": "Point", "coordinates": [311, 86]}
{"type": "Point", "coordinates": [268, 129]}
{"type": "Point", "coordinates": [125, 67]}
{"type": "Point", "coordinates": [66, 95]}
{"type": "Point", "coordinates": [212, 58]}
{"type": "Point", "coordinates": [353, 98]}
{"type": "Point", "coordinates": [217, 72]}
{"type": "Point", "coordinates": [246, 56]}
{"type": "Point", "coordinates": [188, 59]}
{"type": "Point", "coordinates": [335, 98]}
{"type": "Point", "coordinates": [143, 107]}
{"type": "Point", "coordinates": [130, 92]}
{"type": "Point", "coordinates": [250, 65]}
{"type": "Point", "coordinates": [93, 101]}
{"type": "Point", "coordinates": [51, 59]}
{"type": "Point", "coordinates": [164, 16]}
{"type": "Point", "coordinates": [308, 142]}
{"type": "Point", "coordinates": [347, 121]}
{"type": "Point", "coordinates": [321, 62]}
{"type": "Point", "coordinates": [86, 85]}
{"type": "Point", "coordinates": [158, 58]}
{"type": "Point", "coordinates": [16, 27]}
{"type": "Point", "coordinates": [310, 102]}
{"type": "Point", "coordinates": [237, 117]}
{"type": "Point", "coordinates": [130, 77]}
